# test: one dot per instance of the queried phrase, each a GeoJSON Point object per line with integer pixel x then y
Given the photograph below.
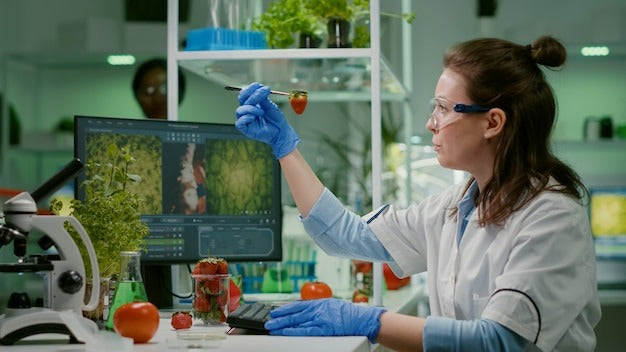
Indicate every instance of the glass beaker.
{"type": "Point", "coordinates": [129, 287]}
{"type": "Point", "coordinates": [211, 298]}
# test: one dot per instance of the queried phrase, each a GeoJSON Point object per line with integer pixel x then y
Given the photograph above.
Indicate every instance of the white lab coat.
{"type": "Point", "coordinates": [536, 275]}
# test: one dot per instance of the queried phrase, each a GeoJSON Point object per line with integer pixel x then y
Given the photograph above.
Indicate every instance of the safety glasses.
{"type": "Point", "coordinates": [444, 112]}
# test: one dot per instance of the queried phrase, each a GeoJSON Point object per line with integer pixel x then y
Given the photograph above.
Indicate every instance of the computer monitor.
{"type": "Point", "coordinates": [207, 189]}
{"type": "Point", "coordinates": [607, 212]}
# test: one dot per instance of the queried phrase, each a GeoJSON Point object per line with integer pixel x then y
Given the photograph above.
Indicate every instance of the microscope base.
{"type": "Point", "coordinates": [35, 321]}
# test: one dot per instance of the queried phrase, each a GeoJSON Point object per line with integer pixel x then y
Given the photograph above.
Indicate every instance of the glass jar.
{"type": "Point", "coordinates": [211, 298]}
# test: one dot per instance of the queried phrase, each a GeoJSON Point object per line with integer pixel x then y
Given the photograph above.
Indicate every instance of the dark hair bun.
{"type": "Point", "coordinates": [548, 51]}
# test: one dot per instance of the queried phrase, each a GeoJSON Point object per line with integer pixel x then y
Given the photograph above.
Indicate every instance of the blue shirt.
{"type": "Point", "coordinates": [439, 333]}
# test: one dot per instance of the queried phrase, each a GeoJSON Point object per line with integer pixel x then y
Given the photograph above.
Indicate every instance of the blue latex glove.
{"type": "Point", "coordinates": [325, 317]}
{"type": "Point", "coordinates": [260, 119]}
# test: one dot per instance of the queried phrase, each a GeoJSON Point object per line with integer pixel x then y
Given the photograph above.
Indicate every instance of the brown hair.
{"type": "Point", "coordinates": [506, 75]}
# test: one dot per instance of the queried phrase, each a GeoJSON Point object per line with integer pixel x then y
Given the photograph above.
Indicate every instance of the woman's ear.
{"type": "Point", "coordinates": [496, 118]}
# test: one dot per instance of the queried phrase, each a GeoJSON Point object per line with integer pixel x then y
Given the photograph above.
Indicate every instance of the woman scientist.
{"type": "Point", "coordinates": [509, 254]}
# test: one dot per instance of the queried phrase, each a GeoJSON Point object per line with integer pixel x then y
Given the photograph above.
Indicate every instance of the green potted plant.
{"type": "Point", "coordinates": [110, 214]}
{"type": "Point", "coordinates": [341, 9]}
{"type": "Point", "coordinates": [283, 19]}
{"type": "Point", "coordinates": [337, 14]}
{"type": "Point", "coordinates": [341, 15]}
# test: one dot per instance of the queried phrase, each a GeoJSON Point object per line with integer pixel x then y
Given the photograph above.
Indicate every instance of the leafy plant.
{"type": "Point", "coordinates": [283, 19]}
{"type": "Point", "coordinates": [349, 10]}
{"type": "Point", "coordinates": [361, 36]}
{"type": "Point", "coordinates": [325, 9]}
{"type": "Point", "coordinates": [110, 212]}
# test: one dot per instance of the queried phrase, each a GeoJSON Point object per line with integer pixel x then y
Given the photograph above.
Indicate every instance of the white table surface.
{"type": "Point", "coordinates": [216, 339]}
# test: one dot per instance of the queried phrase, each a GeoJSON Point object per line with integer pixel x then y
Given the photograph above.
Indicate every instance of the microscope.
{"type": "Point", "coordinates": [64, 273]}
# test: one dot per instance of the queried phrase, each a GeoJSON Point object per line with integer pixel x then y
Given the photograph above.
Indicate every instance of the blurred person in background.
{"type": "Point", "coordinates": [150, 88]}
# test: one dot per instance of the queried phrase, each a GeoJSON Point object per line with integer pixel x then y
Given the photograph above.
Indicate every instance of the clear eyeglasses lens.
{"type": "Point", "coordinates": [152, 90]}
{"type": "Point", "coordinates": [437, 111]}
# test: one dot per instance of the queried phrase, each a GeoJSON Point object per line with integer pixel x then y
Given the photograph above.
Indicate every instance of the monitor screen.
{"type": "Point", "coordinates": [607, 211]}
{"type": "Point", "coordinates": [207, 190]}
{"type": "Point", "coordinates": [607, 214]}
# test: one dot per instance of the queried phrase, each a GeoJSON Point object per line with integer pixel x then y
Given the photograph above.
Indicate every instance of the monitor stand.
{"type": "Point", "coordinates": [158, 282]}
{"type": "Point", "coordinates": [161, 281]}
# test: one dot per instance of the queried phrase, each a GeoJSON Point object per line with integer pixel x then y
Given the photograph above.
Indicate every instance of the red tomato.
{"type": "Point", "coordinates": [393, 282]}
{"type": "Point", "coordinates": [315, 290]}
{"type": "Point", "coordinates": [298, 101]}
{"type": "Point", "coordinates": [137, 320]}
{"type": "Point", "coordinates": [235, 296]}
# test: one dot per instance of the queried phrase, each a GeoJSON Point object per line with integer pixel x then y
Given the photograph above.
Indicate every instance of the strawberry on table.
{"type": "Point", "coordinates": [181, 320]}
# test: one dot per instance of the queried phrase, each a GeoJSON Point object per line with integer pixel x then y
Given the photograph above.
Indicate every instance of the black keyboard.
{"type": "Point", "coordinates": [250, 316]}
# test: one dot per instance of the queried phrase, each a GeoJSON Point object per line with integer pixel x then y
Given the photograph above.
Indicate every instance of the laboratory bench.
{"type": "Point", "coordinates": [405, 300]}
{"type": "Point", "coordinates": [199, 338]}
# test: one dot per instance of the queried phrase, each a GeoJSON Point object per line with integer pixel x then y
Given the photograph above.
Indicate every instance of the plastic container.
{"type": "Point", "coordinates": [219, 38]}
